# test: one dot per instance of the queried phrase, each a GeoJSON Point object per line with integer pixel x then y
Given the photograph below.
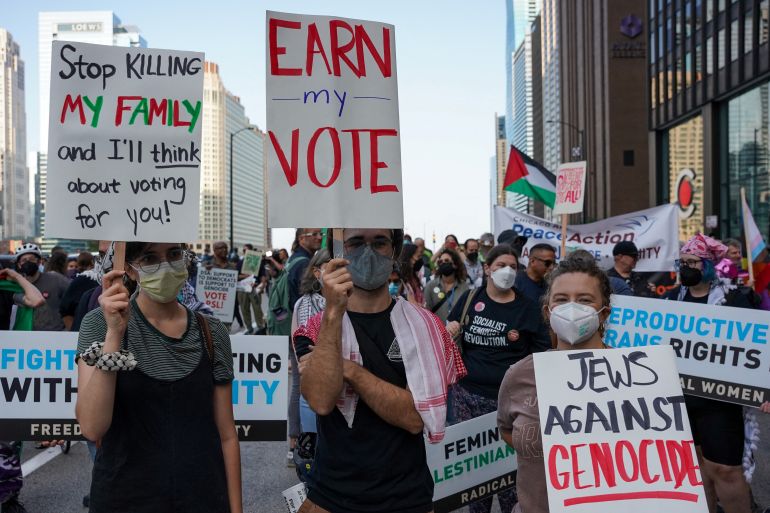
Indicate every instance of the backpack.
{"type": "Point", "coordinates": [279, 310]}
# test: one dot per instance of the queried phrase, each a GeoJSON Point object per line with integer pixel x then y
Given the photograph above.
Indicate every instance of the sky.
{"type": "Point", "coordinates": [451, 71]}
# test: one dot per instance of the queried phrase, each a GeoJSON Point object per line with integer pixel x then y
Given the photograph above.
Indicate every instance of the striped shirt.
{"type": "Point", "coordinates": [159, 356]}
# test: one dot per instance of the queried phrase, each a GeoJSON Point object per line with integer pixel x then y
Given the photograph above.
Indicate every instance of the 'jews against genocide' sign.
{"type": "Point", "coordinates": [124, 145]}
{"type": "Point", "coordinates": [38, 386]}
{"type": "Point", "coordinates": [334, 151]}
{"type": "Point", "coordinates": [722, 351]}
{"type": "Point", "coordinates": [615, 432]}
{"type": "Point", "coordinates": [654, 231]}
{"type": "Point", "coordinates": [471, 462]}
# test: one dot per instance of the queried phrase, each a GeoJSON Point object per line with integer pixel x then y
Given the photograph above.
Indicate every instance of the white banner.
{"type": "Point", "coordinates": [216, 288]}
{"type": "Point", "coordinates": [654, 231]}
{"type": "Point", "coordinates": [616, 436]}
{"type": "Point", "coordinates": [332, 119]}
{"type": "Point", "coordinates": [38, 386]}
{"type": "Point", "coordinates": [570, 188]}
{"type": "Point", "coordinates": [722, 351]}
{"type": "Point", "coordinates": [471, 463]}
{"type": "Point", "coordinates": [124, 145]}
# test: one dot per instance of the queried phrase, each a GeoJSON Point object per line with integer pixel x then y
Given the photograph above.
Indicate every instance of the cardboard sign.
{"type": "Point", "coordinates": [570, 188]}
{"type": "Point", "coordinates": [124, 145]}
{"type": "Point", "coordinates": [471, 463]}
{"type": "Point", "coordinates": [251, 262]}
{"type": "Point", "coordinates": [722, 351]}
{"type": "Point", "coordinates": [38, 386]}
{"type": "Point", "coordinates": [332, 119]}
{"type": "Point", "coordinates": [654, 231]}
{"type": "Point", "coordinates": [615, 433]}
{"type": "Point", "coordinates": [217, 288]}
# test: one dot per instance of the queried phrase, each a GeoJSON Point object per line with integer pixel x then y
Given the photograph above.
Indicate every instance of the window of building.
{"type": "Point", "coordinates": [683, 169]}
{"type": "Point", "coordinates": [628, 158]}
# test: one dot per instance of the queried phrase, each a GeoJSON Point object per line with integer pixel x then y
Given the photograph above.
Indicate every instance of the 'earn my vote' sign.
{"type": "Point", "coordinates": [332, 118]}
{"type": "Point", "coordinates": [124, 146]}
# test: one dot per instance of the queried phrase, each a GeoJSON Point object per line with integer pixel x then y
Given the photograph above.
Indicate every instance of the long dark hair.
{"type": "Point", "coordinates": [500, 250]}
{"type": "Point", "coordinates": [310, 283]}
{"type": "Point", "coordinates": [461, 274]}
{"type": "Point", "coordinates": [405, 262]}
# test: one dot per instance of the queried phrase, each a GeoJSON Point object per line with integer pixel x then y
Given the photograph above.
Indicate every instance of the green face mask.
{"type": "Point", "coordinates": [164, 284]}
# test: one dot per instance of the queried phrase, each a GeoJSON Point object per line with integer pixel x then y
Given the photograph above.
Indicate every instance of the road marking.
{"type": "Point", "coordinates": [41, 459]}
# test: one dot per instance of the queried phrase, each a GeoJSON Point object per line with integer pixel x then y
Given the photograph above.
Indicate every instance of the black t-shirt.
{"type": "Point", "coordinates": [373, 466]}
{"type": "Point", "coordinates": [77, 287]}
{"type": "Point", "coordinates": [6, 309]}
{"type": "Point", "coordinates": [735, 298]}
{"type": "Point", "coordinates": [529, 287]}
{"type": "Point", "coordinates": [487, 350]}
{"type": "Point", "coordinates": [638, 283]}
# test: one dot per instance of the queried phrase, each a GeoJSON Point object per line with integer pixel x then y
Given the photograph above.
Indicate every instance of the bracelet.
{"type": "Point", "coordinates": [92, 354]}
{"type": "Point", "coordinates": [122, 360]}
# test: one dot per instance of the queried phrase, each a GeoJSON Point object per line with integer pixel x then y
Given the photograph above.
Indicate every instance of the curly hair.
{"type": "Point", "coordinates": [461, 273]}
{"type": "Point", "coordinates": [579, 261]}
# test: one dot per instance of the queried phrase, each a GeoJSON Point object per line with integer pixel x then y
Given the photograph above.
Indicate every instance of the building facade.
{"type": "Point", "coordinates": [551, 83]}
{"type": "Point", "coordinates": [709, 111]}
{"type": "Point", "coordinates": [14, 176]}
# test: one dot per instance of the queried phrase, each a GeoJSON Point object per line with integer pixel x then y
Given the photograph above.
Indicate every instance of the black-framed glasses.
{"type": "Point", "coordinates": [149, 263]}
{"type": "Point", "coordinates": [547, 263]}
{"type": "Point", "coordinates": [679, 263]}
{"type": "Point", "coordinates": [380, 244]}
{"type": "Point", "coordinates": [312, 234]}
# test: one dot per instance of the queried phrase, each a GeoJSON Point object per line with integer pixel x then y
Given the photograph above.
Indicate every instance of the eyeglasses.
{"type": "Point", "coordinates": [547, 263]}
{"type": "Point", "coordinates": [177, 258]}
{"type": "Point", "coordinates": [678, 264]}
{"type": "Point", "coordinates": [312, 234]}
{"type": "Point", "coordinates": [381, 245]}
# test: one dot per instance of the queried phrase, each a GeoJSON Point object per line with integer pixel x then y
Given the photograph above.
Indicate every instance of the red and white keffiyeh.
{"type": "Point", "coordinates": [431, 360]}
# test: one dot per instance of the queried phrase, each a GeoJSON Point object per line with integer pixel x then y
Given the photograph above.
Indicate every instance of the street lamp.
{"type": "Point", "coordinates": [581, 135]}
{"type": "Point", "coordinates": [232, 216]}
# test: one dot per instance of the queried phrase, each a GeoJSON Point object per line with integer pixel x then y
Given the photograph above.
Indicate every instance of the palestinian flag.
{"type": "Point", "coordinates": [529, 178]}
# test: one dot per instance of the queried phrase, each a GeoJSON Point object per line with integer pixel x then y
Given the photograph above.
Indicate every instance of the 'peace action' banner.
{"type": "Point", "coordinates": [332, 119]}
{"type": "Point", "coordinates": [217, 288]}
{"type": "Point", "coordinates": [124, 146]}
{"type": "Point", "coordinates": [616, 436]}
{"type": "Point", "coordinates": [722, 351]}
{"type": "Point", "coordinates": [38, 386]}
{"type": "Point", "coordinates": [471, 463]}
{"type": "Point", "coordinates": [654, 231]}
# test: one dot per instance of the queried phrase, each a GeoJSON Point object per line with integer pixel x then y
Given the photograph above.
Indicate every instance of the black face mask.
{"type": "Point", "coordinates": [446, 269]}
{"type": "Point", "coordinates": [472, 256]}
{"type": "Point", "coordinates": [418, 266]}
{"type": "Point", "coordinates": [690, 276]}
{"type": "Point", "coordinates": [29, 268]}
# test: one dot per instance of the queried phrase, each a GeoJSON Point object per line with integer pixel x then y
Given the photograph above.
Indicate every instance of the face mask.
{"type": "Point", "coordinates": [446, 269]}
{"type": "Point", "coordinates": [574, 323]}
{"type": "Point", "coordinates": [418, 266]}
{"type": "Point", "coordinates": [504, 278]}
{"type": "Point", "coordinates": [29, 268]}
{"type": "Point", "coordinates": [690, 276]}
{"type": "Point", "coordinates": [393, 289]}
{"type": "Point", "coordinates": [164, 284]}
{"type": "Point", "coordinates": [472, 257]}
{"type": "Point", "coordinates": [369, 269]}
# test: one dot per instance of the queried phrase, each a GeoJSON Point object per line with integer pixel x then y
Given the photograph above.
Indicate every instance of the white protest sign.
{"type": "Point", "coordinates": [332, 119]}
{"type": "Point", "coordinates": [570, 188]}
{"type": "Point", "coordinates": [216, 288]}
{"type": "Point", "coordinates": [615, 432]}
{"type": "Point", "coordinates": [38, 386]}
{"type": "Point", "coordinates": [722, 351]}
{"type": "Point", "coordinates": [294, 497]}
{"type": "Point", "coordinates": [471, 462]}
{"type": "Point", "coordinates": [124, 143]}
{"type": "Point", "coordinates": [654, 231]}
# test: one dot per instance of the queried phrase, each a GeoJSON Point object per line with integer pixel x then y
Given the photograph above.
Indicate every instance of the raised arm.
{"type": "Point", "coordinates": [32, 296]}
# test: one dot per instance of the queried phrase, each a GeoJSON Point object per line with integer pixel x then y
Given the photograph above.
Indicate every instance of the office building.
{"type": "Point", "coordinates": [709, 116]}
{"type": "Point", "coordinates": [14, 177]}
{"type": "Point", "coordinates": [551, 83]}
{"type": "Point", "coordinates": [519, 15]}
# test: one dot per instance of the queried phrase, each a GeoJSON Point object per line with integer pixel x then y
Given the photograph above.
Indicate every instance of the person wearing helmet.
{"type": "Point", "coordinates": [50, 284]}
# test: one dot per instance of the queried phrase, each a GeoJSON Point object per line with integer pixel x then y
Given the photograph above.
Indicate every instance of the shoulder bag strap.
{"type": "Point", "coordinates": [203, 323]}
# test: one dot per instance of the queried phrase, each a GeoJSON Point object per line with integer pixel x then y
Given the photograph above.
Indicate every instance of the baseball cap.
{"type": "Point", "coordinates": [506, 237]}
{"type": "Point", "coordinates": [625, 247]}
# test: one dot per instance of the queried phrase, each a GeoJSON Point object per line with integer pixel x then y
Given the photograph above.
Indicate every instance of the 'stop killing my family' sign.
{"type": "Point", "coordinates": [124, 152]}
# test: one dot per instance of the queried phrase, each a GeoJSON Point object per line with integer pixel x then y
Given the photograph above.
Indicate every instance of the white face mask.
{"type": "Point", "coordinates": [574, 323]}
{"type": "Point", "coordinates": [503, 278]}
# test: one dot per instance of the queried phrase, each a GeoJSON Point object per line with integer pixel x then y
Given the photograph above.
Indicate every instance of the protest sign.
{"type": "Point", "coordinates": [471, 462]}
{"type": "Point", "coordinates": [722, 351]}
{"type": "Point", "coordinates": [124, 143]}
{"type": "Point", "coordinates": [216, 288]}
{"type": "Point", "coordinates": [251, 262]}
{"type": "Point", "coordinates": [570, 188]}
{"type": "Point", "coordinates": [615, 432]}
{"type": "Point", "coordinates": [654, 231]}
{"type": "Point", "coordinates": [332, 119]}
{"type": "Point", "coordinates": [38, 386]}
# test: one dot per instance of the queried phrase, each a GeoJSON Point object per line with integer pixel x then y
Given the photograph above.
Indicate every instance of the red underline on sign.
{"type": "Point", "coordinates": [609, 497]}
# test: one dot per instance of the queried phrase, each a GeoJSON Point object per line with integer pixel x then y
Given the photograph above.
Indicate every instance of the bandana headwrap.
{"type": "Point", "coordinates": [705, 248]}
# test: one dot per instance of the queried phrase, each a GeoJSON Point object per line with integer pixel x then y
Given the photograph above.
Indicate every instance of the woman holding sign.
{"type": "Point", "coordinates": [577, 303]}
{"type": "Point", "coordinates": [155, 389]}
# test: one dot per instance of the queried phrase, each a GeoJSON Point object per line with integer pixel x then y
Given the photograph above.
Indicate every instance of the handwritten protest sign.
{"type": "Point", "coordinates": [616, 436]}
{"type": "Point", "coordinates": [124, 143]}
{"type": "Point", "coordinates": [217, 288]}
{"type": "Point", "coordinates": [251, 262]}
{"type": "Point", "coordinates": [38, 386]}
{"type": "Point", "coordinates": [471, 463]}
{"type": "Point", "coordinates": [332, 118]}
{"type": "Point", "coordinates": [654, 231]}
{"type": "Point", "coordinates": [722, 351]}
{"type": "Point", "coordinates": [570, 188]}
